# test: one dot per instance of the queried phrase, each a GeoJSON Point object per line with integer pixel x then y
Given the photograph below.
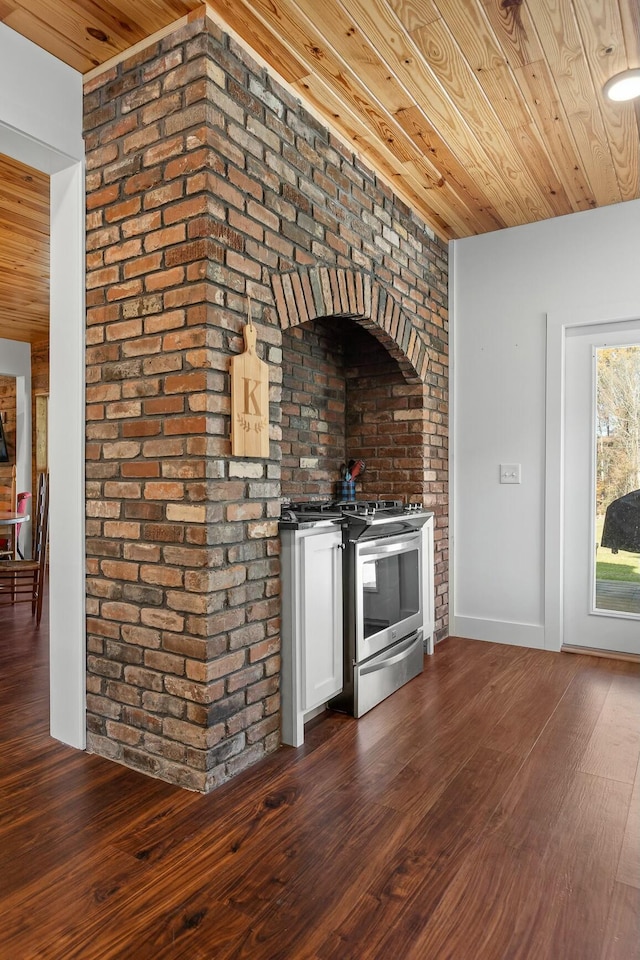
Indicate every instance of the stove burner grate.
{"type": "Point", "coordinates": [344, 507]}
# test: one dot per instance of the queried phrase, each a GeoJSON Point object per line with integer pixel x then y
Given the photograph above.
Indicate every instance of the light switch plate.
{"type": "Point", "coordinates": [509, 473]}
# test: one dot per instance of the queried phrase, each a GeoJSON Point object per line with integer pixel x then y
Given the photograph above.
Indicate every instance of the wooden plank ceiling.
{"type": "Point", "coordinates": [24, 252]}
{"type": "Point", "coordinates": [481, 114]}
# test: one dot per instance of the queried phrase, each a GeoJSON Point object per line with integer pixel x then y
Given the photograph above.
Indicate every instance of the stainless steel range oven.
{"type": "Point", "coordinates": [384, 595]}
{"type": "Point", "coordinates": [384, 602]}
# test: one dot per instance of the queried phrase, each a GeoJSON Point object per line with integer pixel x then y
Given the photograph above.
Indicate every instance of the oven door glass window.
{"type": "Point", "coordinates": [390, 590]}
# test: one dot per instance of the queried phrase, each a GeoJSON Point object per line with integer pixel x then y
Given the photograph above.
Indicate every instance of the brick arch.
{"type": "Point", "coordinates": [316, 292]}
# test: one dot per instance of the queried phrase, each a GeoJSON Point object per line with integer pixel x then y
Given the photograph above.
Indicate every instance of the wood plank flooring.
{"type": "Point", "coordinates": [484, 812]}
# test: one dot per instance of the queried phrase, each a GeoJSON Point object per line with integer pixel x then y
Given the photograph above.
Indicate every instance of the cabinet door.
{"type": "Point", "coordinates": [321, 654]}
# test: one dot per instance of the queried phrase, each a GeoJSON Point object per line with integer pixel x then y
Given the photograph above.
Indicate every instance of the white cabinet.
{"type": "Point", "coordinates": [312, 651]}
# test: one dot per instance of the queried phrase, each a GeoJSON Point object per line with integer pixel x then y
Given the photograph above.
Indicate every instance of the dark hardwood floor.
{"type": "Point", "coordinates": [484, 812]}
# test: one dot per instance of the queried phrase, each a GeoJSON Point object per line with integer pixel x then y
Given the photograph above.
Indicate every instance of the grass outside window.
{"type": "Point", "coordinates": [622, 566]}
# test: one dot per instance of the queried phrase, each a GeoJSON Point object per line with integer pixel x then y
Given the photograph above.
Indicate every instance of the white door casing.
{"type": "Point", "coordinates": [617, 315]}
{"type": "Point", "coordinates": [583, 626]}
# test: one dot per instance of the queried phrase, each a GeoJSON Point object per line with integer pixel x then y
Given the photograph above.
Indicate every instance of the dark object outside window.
{"type": "Point", "coordinates": [622, 524]}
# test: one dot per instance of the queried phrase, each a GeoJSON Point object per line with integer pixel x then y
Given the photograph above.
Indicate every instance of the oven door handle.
{"type": "Point", "coordinates": [380, 662]}
{"type": "Point", "coordinates": [400, 544]}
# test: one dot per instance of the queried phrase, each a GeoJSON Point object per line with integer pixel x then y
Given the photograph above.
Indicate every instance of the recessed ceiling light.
{"type": "Point", "coordinates": [624, 86]}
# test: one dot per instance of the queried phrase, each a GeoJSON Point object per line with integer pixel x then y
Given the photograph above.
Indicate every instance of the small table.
{"type": "Point", "coordinates": [9, 518]}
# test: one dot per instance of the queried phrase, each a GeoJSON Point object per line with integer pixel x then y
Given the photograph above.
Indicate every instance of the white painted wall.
{"type": "Point", "coordinates": [503, 286]}
{"type": "Point", "coordinates": [41, 125]}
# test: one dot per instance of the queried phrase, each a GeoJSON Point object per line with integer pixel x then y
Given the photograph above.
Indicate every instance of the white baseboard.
{"type": "Point", "coordinates": [499, 631]}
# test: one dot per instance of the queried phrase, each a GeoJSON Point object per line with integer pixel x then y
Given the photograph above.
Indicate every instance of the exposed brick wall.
{"type": "Point", "coordinates": [313, 409]}
{"type": "Point", "coordinates": [341, 390]}
{"type": "Point", "coordinates": [385, 424]}
{"type": "Point", "coordinates": [205, 179]}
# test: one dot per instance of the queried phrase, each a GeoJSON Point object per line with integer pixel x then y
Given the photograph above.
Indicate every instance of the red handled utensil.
{"type": "Point", "coordinates": [357, 469]}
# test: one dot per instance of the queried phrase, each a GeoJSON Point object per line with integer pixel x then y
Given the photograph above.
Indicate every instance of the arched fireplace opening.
{"type": "Point", "coordinates": [345, 397]}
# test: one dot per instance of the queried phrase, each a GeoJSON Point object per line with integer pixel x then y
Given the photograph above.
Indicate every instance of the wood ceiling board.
{"type": "Point", "coordinates": [40, 33]}
{"type": "Point", "coordinates": [630, 18]}
{"type": "Point", "coordinates": [352, 49]}
{"type": "Point", "coordinates": [24, 252]}
{"type": "Point", "coordinates": [484, 146]}
{"type": "Point", "coordinates": [70, 40]}
{"type": "Point", "coordinates": [23, 183]}
{"type": "Point", "coordinates": [527, 141]}
{"type": "Point", "coordinates": [562, 45]}
{"type": "Point", "coordinates": [538, 86]}
{"type": "Point", "coordinates": [27, 296]}
{"type": "Point", "coordinates": [28, 332]}
{"type": "Point", "coordinates": [465, 185]}
{"type": "Point", "coordinates": [24, 262]}
{"type": "Point", "coordinates": [459, 217]}
{"type": "Point", "coordinates": [468, 23]}
{"type": "Point", "coordinates": [32, 216]}
{"type": "Point", "coordinates": [514, 31]}
{"type": "Point", "coordinates": [376, 122]}
{"type": "Point", "coordinates": [475, 35]}
{"type": "Point", "coordinates": [600, 27]}
{"type": "Point", "coordinates": [24, 273]}
{"type": "Point", "coordinates": [457, 78]}
{"type": "Point", "coordinates": [250, 27]}
{"type": "Point", "coordinates": [22, 303]}
{"type": "Point", "coordinates": [436, 44]}
{"type": "Point", "coordinates": [414, 14]}
{"type": "Point", "coordinates": [62, 28]}
{"type": "Point", "coordinates": [503, 93]}
{"type": "Point", "coordinates": [17, 309]}
{"type": "Point", "coordinates": [23, 216]}
{"type": "Point", "coordinates": [148, 16]}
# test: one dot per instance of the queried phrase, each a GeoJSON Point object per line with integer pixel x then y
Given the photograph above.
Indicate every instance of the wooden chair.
{"type": "Point", "coordinates": [22, 581]}
{"type": "Point", "coordinates": [8, 502]}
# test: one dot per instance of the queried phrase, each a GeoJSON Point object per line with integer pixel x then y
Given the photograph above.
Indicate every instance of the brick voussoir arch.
{"type": "Point", "coordinates": [316, 292]}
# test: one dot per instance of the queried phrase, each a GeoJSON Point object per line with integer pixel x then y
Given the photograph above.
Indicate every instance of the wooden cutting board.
{"type": "Point", "coordinates": [249, 401]}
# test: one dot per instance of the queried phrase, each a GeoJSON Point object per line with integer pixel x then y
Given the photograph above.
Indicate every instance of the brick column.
{"type": "Point", "coordinates": [183, 639]}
